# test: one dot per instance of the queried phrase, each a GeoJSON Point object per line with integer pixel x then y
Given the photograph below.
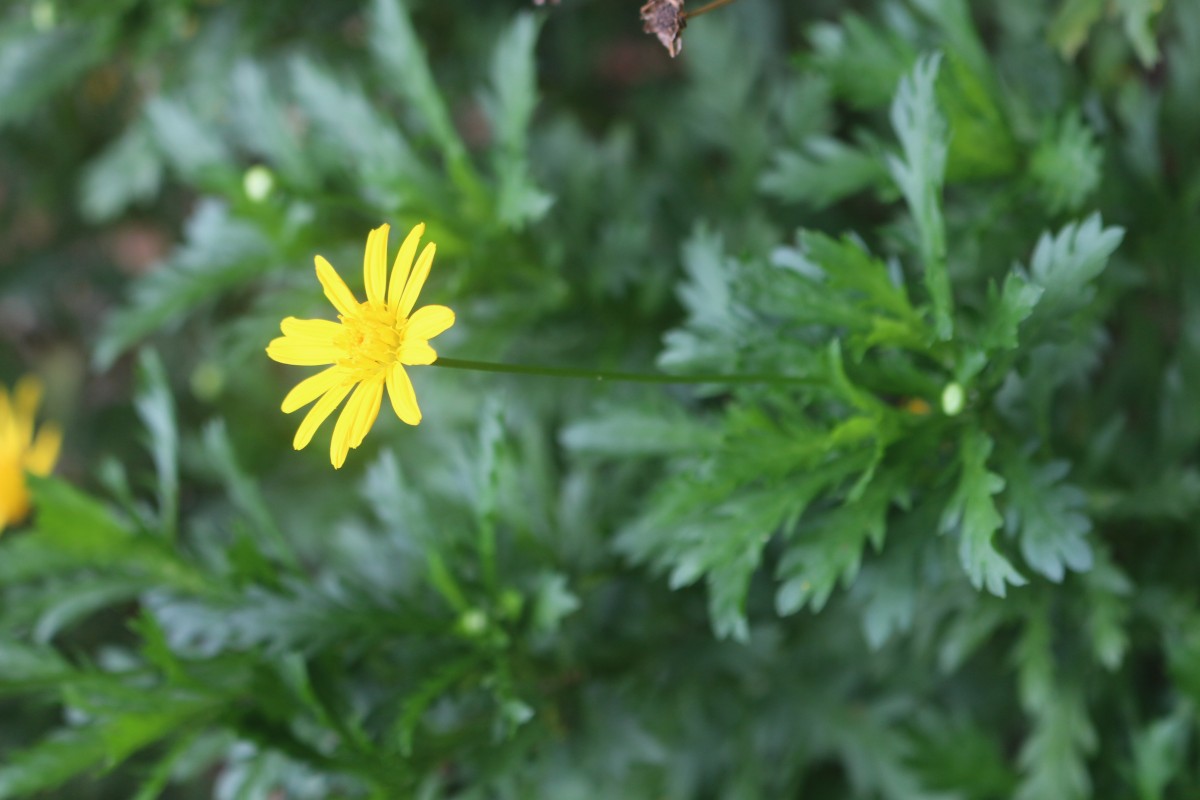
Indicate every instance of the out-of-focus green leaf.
{"type": "Point", "coordinates": [129, 171]}
{"type": "Point", "coordinates": [510, 105]}
{"type": "Point", "coordinates": [1046, 515]}
{"type": "Point", "coordinates": [822, 172]}
{"type": "Point", "coordinates": [1053, 756]}
{"type": "Point", "coordinates": [53, 761]}
{"type": "Point", "coordinates": [972, 512]}
{"type": "Point", "coordinates": [156, 407]}
{"type": "Point", "coordinates": [220, 252]}
{"type": "Point", "coordinates": [1064, 265]}
{"type": "Point", "coordinates": [919, 174]}
{"type": "Point", "coordinates": [36, 64]}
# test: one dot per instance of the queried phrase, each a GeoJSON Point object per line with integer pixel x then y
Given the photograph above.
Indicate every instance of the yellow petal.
{"type": "Point", "coordinates": [8, 425]}
{"type": "Point", "coordinates": [416, 281]}
{"type": "Point", "coordinates": [43, 455]}
{"type": "Point", "coordinates": [318, 414]}
{"type": "Point", "coordinates": [369, 411]}
{"type": "Point", "coordinates": [355, 420]}
{"type": "Point", "coordinates": [312, 387]}
{"type": "Point", "coordinates": [402, 395]}
{"type": "Point", "coordinates": [300, 353]}
{"type": "Point", "coordinates": [314, 331]}
{"type": "Point", "coordinates": [416, 352]}
{"type": "Point", "coordinates": [26, 397]}
{"type": "Point", "coordinates": [403, 263]}
{"type": "Point", "coordinates": [428, 321]}
{"type": "Point", "coordinates": [375, 265]}
{"type": "Point", "coordinates": [335, 288]}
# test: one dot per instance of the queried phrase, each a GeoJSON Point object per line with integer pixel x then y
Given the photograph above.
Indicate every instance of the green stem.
{"type": "Point", "coordinates": [610, 375]}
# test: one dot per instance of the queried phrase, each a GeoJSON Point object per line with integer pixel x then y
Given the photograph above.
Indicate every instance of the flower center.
{"type": "Point", "coordinates": [370, 340]}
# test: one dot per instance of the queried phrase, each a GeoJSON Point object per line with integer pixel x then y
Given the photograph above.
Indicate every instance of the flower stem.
{"type": "Point", "coordinates": [715, 4]}
{"type": "Point", "coordinates": [609, 375]}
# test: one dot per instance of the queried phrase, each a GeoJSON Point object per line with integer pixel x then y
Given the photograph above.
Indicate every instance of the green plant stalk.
{"type": "Point", "coordinates": [617, 375]}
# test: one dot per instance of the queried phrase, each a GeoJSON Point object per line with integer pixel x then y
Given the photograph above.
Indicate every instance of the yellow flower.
{"type": "Point", "coordinates": [20, 450]}
{"type": "Point", "coordinates": [367, 349]}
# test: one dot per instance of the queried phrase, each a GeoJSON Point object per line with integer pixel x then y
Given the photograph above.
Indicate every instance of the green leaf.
{"type": "Point", "coordinates": [1066, 165]}
{"type": "Point", "coordinates": [61, 606]}
{"type": "Point", "coordinates": [1071, 25]}
{"type": "Point", "coordinates": [156, 407]}
{"type": "Point", "coordinates": [884, 591]}
{"type": "Point", "coordinates": [430, 691]}
{"type": "Point", "coordinates": [851, 270]}
{"type": "Point", "coordinates": [1159, 750]}
{"type": "Point", "coordinates": [127, 172]}
{"type": "Point", "coordinates": [75, 522]}
{"type": "Point", "coordinates": [261, 121]}
{"type": "Point", "coordinates": [35, 65]}
{"type": "Point", "coordinates": [982, 143]}
{"type": "Point", "coordinates": [959, 757]}
{"type": "Point", "coordinates": [1065, 265]}
{"type": "Point", "coordinates": [193, 148]}
{"type": "Point", "coordinates": [397, 48]}
{"type": "Point", "coordinates": [553, 601]}
{"type": "Point", "coordinates": [357, 136]}
{"type": "Point", "coordinates": [1006, 310]}
{"type": "Point", "coordinates": [1053, 756]}
{"type": "Point", "coordinates": [631, 431]}
{"type": "Point", "coordinates": [1139, 16]}
{"type": "Point", "coordinates": [510, 105]}
{"type": "Point", "coordinates": [1107, 599]}
{"type": "Point", "coordinates": [972, 512]}
{"type": "Point", "coordinates": [822, 172]}
{"type": "Point", "coordinates": [244, 491]}
{"type": "Point", "coordinates": [715, 319]}
{"type": "Point", "coordinates": [1046, 515]}
{"type": "Point", "coordinates": [723, 544]}
{"type": "Point", "coordinates": [53, 761]}
{"type": "Point", "coordinates": [919, 175]}
{"type": "Point", "coordinates": [154, 783]}
{"type": "Point", "coordinates": [220, 252]}
{"type": "Point", "coordinates": [830, 550]}
{"type": "Point", "coordinates": [863, 61]}
{"type": "Point", "coordinates": [74, 531]}
{"type": "Point", "coordinates": [23, 664]}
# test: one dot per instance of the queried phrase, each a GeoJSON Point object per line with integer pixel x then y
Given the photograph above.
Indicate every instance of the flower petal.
{"type": "Point", "coordinates": [318, 414]}
{"type": "Point", "coordinates": [312, 387]}
{"type": "Point", "coordinates": [335, 288]}
{"type": "Point", "coordinates": [355, 419]}
{"type": "Point", "coordinates": [416, 281]}
{"type": "Point", "coordinates": [316, 331]}
{"type": "Point", "coordinates": [369, 412]}
{"type": "Point", "coordinates": [428, 321]}
{"type": "Point", "coordinates": [43, 454]}
{"type": "Point", "coordinates": [300, 353]}
{"type": "Point", "coordinates": [8, 424]}
{"type": "Point", "coordinates": [402, 395]}
{"type": "Point", "coordinates": [416, 352]}
{"type": "Point", "coordinates": [375, 265]}
{"type": "Point", "coordinates": [403, 263]}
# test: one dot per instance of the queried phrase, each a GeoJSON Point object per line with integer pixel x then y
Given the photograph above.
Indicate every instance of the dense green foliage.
{"type": "Point", "coordinates": [946, 554]}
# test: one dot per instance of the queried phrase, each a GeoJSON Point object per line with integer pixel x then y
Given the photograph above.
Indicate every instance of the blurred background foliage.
{"type": "Point", "coordinates": [953, 557]}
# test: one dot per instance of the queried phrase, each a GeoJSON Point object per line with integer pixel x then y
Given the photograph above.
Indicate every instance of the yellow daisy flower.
{"type": "Point", "coordinates": [368, 348]}
{"type": "Point", "coordinates": [20, 450]}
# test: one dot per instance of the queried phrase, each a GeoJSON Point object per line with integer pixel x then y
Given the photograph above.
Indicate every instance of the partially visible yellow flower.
{"type": "Point", "coordinates": [368, 348]}
{"type": "Point", "coordinates": [20, 450]}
